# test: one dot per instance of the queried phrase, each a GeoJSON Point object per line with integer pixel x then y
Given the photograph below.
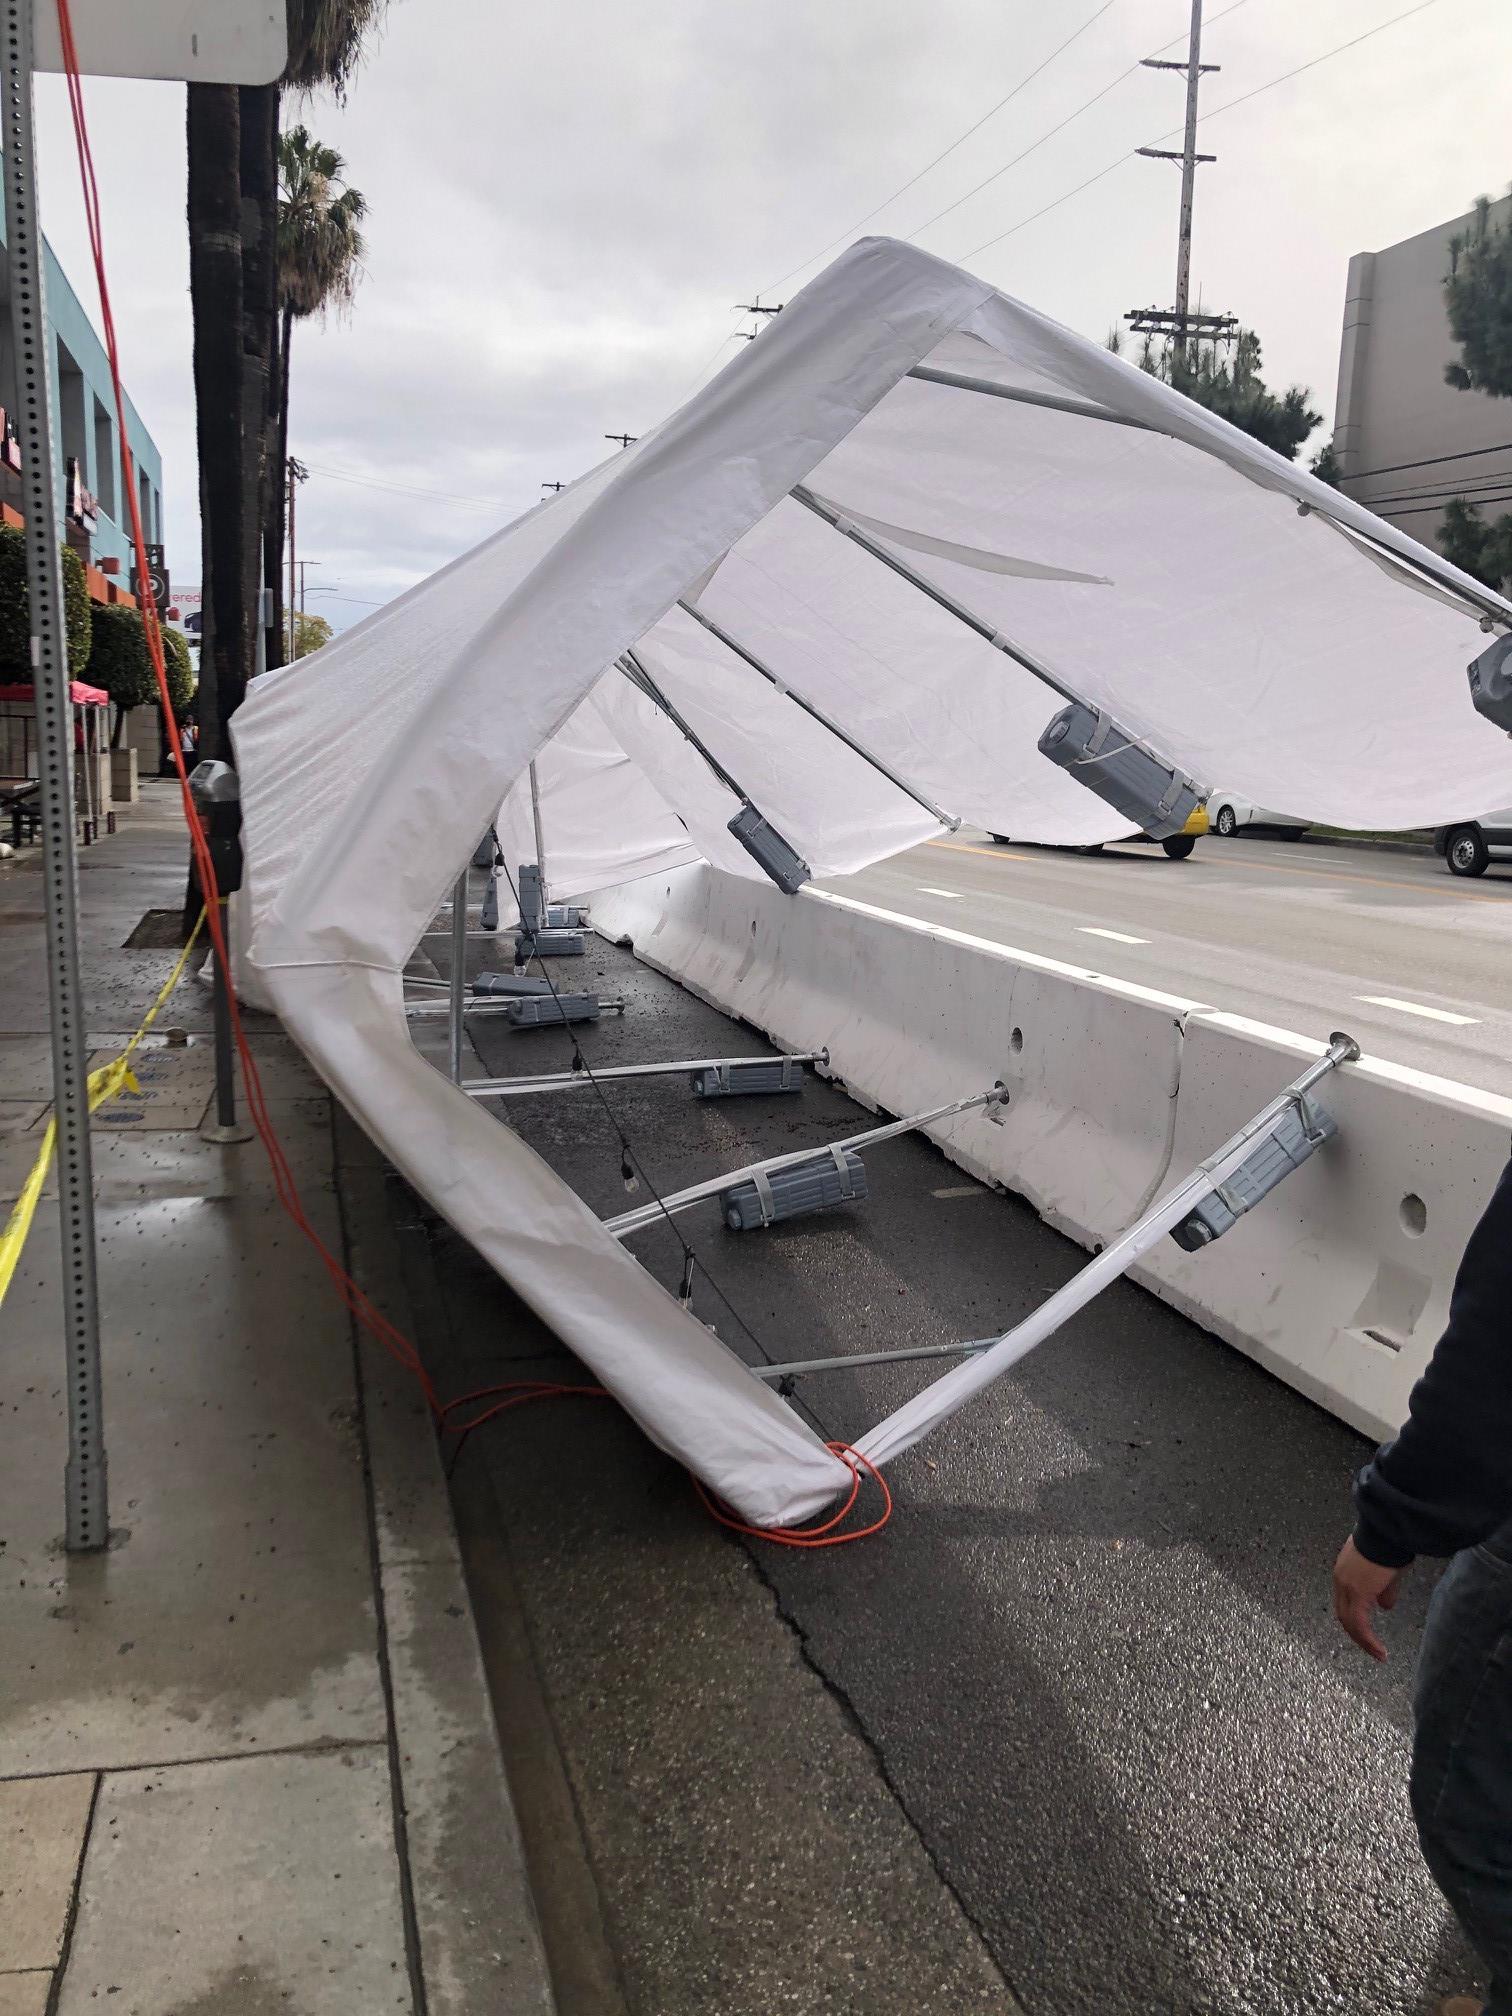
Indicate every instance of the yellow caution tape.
{"type": "Point", "coordinates": [105, 1083]}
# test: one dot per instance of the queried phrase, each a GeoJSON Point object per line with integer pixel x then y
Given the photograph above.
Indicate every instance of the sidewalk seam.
{"type": "Point", "coordinates": [327, 1746]}
{"type": "Point", "coordinates": [65, 1945]}
{"type": "Point", "coordinates": [412, 1952]}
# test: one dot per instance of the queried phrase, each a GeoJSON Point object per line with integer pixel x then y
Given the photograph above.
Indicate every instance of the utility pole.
{"type": "Point", "coordinates": [295, 473]}
{"type": "Point", "coordinates": [1180, 322]}
{"type": "Point", "coordinates": [755, 308]}
{"type": "Point", "coordinates": [623, 439]}
{"type": "Point", "coordinates": [553, 486]}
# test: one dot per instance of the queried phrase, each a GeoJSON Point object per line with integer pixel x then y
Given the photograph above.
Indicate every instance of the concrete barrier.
{"type": "Point", "coordinates": [913, 1015]}
{"type": "Point", "coordinates": [1339, 1282]}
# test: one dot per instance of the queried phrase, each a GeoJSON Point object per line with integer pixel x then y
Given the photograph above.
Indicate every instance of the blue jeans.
{"type": "Point", "coordinates": [1462, 1751]}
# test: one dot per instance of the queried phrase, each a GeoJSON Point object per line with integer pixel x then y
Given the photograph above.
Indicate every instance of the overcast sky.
{"type": "Point", "coordinates": [567, 202]}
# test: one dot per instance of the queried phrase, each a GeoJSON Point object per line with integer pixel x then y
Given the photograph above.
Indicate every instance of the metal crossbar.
{"type": "Point", "coordinates": [571, 1081]}
{"type": "Point", "coordinates": [683, 1200]}
{"type": "Point", "coordinates": [757, 665]}
{"type": "Point", "coordinates": [1118, 1256]}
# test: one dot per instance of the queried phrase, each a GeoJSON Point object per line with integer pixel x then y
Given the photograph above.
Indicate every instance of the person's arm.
{"type": "Point", "coordinates": [1446, 1481]}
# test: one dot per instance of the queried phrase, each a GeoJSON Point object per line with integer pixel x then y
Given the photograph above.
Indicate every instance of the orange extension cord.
{"type": "Point", "coordinates": [360, 1305]}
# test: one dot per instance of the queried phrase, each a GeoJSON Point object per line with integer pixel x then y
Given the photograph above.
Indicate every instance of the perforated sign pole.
{"type": "Point", "coordinates": [88, 1519]}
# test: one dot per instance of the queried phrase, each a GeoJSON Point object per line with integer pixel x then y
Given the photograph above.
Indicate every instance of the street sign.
{"type": "Point", "coordinates": [197, 41]}
{"type": "Point", "coordinates": [157, 581]}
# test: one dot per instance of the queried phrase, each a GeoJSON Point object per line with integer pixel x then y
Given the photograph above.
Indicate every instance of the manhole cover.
{"type": "Point", "coordinates": [158, 931]}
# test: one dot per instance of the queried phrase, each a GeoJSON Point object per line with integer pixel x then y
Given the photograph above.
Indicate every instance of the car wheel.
{"type": "Point", "coordinates": [1179, 845]}
{"type": "Point", "coordinates": [1292, 832]}
{"type": "Point", "coordinates": [1466, 851]}
{"type": "Point", "coordinates": [1225, 822]}
{"type": "Point", "coordinates": [1001, 839]}
{"type": "Point", "coordinates": [1095, 848]}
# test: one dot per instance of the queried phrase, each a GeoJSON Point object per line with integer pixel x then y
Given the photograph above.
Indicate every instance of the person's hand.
{"type": "Point", "coordinates": [1359, 1587]}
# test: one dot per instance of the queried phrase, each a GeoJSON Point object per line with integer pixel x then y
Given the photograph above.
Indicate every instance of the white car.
{"type": "Point", "coordinates": [1227, 813]}
{"type": "Point", "coordinates": [1470, 845]}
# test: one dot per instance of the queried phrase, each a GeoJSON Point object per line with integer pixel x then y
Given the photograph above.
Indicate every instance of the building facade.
{"type": "Point", "coordinates": [1406, 442]}
{"type": "Point", "coordinates": [88, 472]}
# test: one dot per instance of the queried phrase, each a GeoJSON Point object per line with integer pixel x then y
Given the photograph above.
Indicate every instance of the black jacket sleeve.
{"type": "Point", "coordinates": [1446, 1481]}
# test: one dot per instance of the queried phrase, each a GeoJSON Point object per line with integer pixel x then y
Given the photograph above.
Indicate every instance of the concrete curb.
{"type": "Point", "coordinates": [474, 1918]}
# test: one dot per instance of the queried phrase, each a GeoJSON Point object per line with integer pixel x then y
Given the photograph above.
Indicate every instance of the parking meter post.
{"type": "Point", "coordinates": [216, 791]}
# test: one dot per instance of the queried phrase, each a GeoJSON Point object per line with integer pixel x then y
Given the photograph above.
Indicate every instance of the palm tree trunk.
{"type": "Point", "coordinates": [275, 524]}
{"type": "Point", "coordinates": [259, 191]}
{"type": "Point", "coordinates": [215, 292]}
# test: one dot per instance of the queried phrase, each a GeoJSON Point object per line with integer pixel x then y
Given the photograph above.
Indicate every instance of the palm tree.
{"type": "Point", "coordinates": [320, 248]}
{"type": "Point", "coordinates": [233, 280]}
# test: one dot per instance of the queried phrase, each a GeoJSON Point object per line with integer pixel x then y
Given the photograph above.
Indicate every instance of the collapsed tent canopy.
{"type": "Point", "coordinates": [847, 585]}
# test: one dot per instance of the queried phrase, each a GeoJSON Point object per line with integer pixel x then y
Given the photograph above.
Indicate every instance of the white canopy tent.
{"type": "Point", "coordinates": [1246, 622]}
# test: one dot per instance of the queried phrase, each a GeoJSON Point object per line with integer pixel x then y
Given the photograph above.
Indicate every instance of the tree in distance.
{"type": "Point", "coordinates": [120, 661]}
{"type": "Point", "coordinates": [1478, 301]}
{"type": "Point", "coordinates": [310, 632]}
{"type": "Point", "coordinates": [1225, 377]}
{"type": "Point", "coordinates": [15, 609]}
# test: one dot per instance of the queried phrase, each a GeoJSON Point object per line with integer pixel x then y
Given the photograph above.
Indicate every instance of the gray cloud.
{"type": "Point", "coordinates": [567, 202]}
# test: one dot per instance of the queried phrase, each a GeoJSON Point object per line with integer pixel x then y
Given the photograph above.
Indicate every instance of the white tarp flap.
{"type": "Point", "coordinates": [1169, 569]}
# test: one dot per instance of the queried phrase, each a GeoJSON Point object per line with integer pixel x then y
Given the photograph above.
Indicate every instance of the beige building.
{"type": "Point", "coordinates": [1406, 442]}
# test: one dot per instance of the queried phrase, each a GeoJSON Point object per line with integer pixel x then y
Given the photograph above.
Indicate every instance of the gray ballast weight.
{"type": "Point", "coordinates": [769, 850]}
{"type": "Point", "coordinates": [535, 1011]}
{"type": "Point", "coordinates": [834, 1176]}
{"type": "Point", "coordinates": [1295, 1136]}
{"type": "Point", "coordinates": [1151, 795]}
{"type": "Point", "coordinates": [509, 983]}
{"type": "Point", "coordinates": [536, 914]}
{"type": "Point", "coordinates": [1491, 683]}
{"type": "Point", "coordinates": [762, 1074]}
{"type": "Point", "coordinates": [548, 945]}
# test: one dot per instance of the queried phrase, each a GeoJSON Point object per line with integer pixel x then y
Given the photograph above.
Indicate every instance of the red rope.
{"type": "Point", "coordinates": [287, 1190]}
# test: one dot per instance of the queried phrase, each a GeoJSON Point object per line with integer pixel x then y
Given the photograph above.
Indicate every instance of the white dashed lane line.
{"type": "Point", "coordinates": [1119, 937]}
{"type": "Point", "coordinates": [950, 895]}
{"type": "Point", "coordinates": [1417, 1008]}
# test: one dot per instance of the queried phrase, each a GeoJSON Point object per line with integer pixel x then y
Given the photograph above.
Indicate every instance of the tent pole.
{"type": "Point", "coordinates": [681, 1200]}
{"type": "Point", "coordinates": [1488, 608]}
{"type": "Point", "coordinates": [1120, 1253]}
{"type": "Point", "coordinates": [832, 515]}
{"type": "Point", "coordinates": [775, 855]}
{"type": "Point", "coordinates": [747, 657]}
{"type": "Point", "coordinates": [535, 815]}
{"type": "Point", "coordinates": [564, 1081]}
{"type": "Point", "coordinates": [457, 979]}
{"type": "Point", "coordinates": [1083, 408]}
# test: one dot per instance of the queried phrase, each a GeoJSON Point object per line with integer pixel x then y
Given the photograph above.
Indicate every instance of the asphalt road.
{"type": "Point", "coordinates": [1089, 1668]}
{"type": "Point", "coordinates": [1297, 934]}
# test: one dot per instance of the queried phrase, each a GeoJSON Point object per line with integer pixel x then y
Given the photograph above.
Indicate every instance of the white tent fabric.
{"type": "Point", "coordinates": [1257, 628]}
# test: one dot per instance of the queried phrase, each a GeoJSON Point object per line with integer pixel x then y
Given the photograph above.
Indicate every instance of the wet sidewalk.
{"type": "Point", "coordinates": [247, 1758]}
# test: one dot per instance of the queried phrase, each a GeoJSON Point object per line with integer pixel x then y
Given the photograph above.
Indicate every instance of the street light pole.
{"type": "Point", "coordinates": [87, 1523]}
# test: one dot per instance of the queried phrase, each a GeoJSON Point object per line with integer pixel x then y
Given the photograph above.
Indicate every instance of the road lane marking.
{"type": "Point", "coordinates": [1123, 937]}
{"type": "Point", "coordinates": [1417, 1008]}
{"type": "Point", "coordinates": [950, 895]}
{"type": "Point", "coordinates": [963, 1190]}
{"type": "Point", "coordinates": [1265, 867]}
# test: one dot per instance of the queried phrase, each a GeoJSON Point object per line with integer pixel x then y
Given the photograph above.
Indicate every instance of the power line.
{"type": "Point", "coordinates": [1428, 462]}
{"type": "Point", "coordinates": [1059, 127]}
{"type": "Point", "coordinates": [407, 489]}
{"type": "Point", "coordinates": [1492, 480]}
{"type": "Point", "coordinates": [959, 140]}
{"type": "Point", "coordinates": [1227, 106]}
{"type": "Point", "coordinates": [1418, 510]}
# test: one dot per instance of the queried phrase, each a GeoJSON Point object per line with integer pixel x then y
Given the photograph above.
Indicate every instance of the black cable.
{"type": "Point", "coordinates": [630, 1158]}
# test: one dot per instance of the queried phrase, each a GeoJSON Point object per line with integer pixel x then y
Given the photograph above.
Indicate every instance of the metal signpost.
{"type": "Point", "coordinates": [221, 41]}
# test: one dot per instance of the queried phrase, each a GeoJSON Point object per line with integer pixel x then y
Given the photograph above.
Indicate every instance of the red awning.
{"type": "Point", "coordinates": [80, 694]}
